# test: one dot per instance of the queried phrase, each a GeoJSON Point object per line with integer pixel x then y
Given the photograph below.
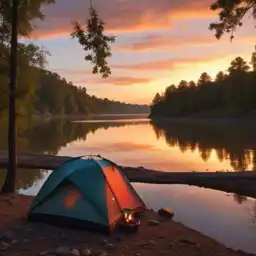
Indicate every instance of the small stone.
{"type": "Point", "coordinates": [153, 223]}
{"type": "Point", "coordinates": [47, 252]}
{"type": "Point", "coordinates": [110, 246]}
{"type": "Point", "coordinates": [86, 252]}
{"type": "Point", "coordinates": [76, 252]}
{"type": "Point", "coordinates": [7, 236]}
{"type": "Point", "coordinates": [166, 212]}
{"type": "Point", "coordinates": [14, 241]}
{"type": "Point", "coordinates": [152, 242]}
{"type": "Point", "coordinates": [104, 242]}
{"type": "Point", "coordinates": [101, 253]}
{"type": "Point", "coordinates": [137, 254]}
{"type": "Point", "coordinates": [25, 240]}
{"type": "Point", "coordinates": [4, 245]}
{"type": "Point", "coordinates": [64, 251]}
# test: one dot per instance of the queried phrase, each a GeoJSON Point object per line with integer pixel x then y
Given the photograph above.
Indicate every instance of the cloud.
{"type": "Point", "coordinates": [166, 64]}
{"type": "Point", "coordinates": [120, 15]}
{"type": "Point", "coordinates": [162, 42]}
{"type": "Point", "coordinates": [118, 81]}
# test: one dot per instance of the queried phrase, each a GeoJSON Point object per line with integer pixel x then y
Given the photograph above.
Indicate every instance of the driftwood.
{"type": "Point", "coordinates": [243, 183]}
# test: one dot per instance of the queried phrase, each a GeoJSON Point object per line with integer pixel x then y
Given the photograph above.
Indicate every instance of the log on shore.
{"type": "Point", "coordinates": [243, 183]}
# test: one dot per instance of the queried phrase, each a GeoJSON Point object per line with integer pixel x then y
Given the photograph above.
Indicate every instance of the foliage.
{"type": "Point", "coordinates": [231, 14]}
{"type": "Point", "coordinates": [95, 42]}
{"type": "Point", "coordinates": [253, 60]}
{"type": "Point", "coordinates": [232, 94]}
{"type": "Point", "coordinates": [27, 12]}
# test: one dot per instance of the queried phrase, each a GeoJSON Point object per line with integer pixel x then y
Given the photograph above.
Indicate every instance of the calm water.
{"type": "Point", "coordinates": [135, 141]}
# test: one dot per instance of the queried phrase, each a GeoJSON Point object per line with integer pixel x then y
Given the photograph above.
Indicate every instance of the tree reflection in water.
{"type": "Point", "coordinates": [231, 142]}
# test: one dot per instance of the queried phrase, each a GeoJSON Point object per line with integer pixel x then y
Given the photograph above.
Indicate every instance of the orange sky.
{"type": "Point", "coordinates": [158, 43]}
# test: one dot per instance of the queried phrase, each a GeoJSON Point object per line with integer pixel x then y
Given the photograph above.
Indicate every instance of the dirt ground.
{"type": "Point", "coordinates": [19, 237]}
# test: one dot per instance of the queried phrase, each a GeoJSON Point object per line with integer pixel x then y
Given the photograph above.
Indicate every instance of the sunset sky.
{"type": "Point", "coordinates": [158, 43]}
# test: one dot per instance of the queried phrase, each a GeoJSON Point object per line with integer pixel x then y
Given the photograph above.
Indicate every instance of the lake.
{"type": "Point", "coordinates": [134, 140]}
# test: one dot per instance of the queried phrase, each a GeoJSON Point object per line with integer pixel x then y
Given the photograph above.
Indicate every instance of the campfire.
{"type": "Point", "coordinates": [128, 222]}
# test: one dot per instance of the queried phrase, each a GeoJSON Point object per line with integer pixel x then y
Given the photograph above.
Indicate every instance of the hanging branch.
{"type": "Point", "coordinates": [95, 42]}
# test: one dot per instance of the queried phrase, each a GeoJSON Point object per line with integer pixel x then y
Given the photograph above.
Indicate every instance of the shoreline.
{"type": "Point", "coordinates": [167, 238]}
{"type": "Point", "coordinates": [204, 120]}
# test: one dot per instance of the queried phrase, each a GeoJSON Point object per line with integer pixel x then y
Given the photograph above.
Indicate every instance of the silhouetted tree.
{"type": "Point", "coordinates": [229, 95]}
{"type": "Point", "coordinates": [253, 60]}
{"type": "Point", "coordinates": [238, 65]}
{"type": "Point", "coordinates": [204, 79]}
{"type": "Point", "coordinates": [231, 15]}
{"type": "Point", "coordinates": [220, 76]}
{"type": "Point", "coordinates": [95, 42]}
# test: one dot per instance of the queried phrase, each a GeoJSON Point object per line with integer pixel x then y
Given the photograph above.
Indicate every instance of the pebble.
{"type": "Point", "coordinates": [64, 251]}
{"type": "Point", "coordinates": [47, 252]}
{"type": "Point", "coordinates": [4, 246]}
{"type": "Point", "coordinates": [101, 253]}
{"type": "Point", "coordinates": [7, 236]}
{"type": "Point", "coordinates": [76, 252]}
{"type": "Point", "coordinates": [152, 242]}
{"type": "Point", "coordinates": [86, 252]}
{"type": "Point", "coordinates": [153, 223]}
{"type": "Point", "coordinates": [110, 246]}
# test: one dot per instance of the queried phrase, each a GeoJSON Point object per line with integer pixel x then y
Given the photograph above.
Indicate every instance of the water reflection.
{"type": "Point", "coordinates": [158, 145]}
{"type": "Point", "coordinates": [232, 142]}
{"type": "Point", "coordinates": [212, 212]}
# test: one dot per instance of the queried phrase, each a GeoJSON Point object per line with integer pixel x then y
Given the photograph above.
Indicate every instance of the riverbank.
{"type": "Point", "coordinates": [24, 238]}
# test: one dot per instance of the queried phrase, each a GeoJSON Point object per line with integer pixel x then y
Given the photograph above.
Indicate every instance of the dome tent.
{"type": "Point", "coordinates": [85, 193]}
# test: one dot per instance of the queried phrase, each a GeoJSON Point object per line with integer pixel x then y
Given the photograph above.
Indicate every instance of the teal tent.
{"type": "Point", "coordinates": [85, 193]}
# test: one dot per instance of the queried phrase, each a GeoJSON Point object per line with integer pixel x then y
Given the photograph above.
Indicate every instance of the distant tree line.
{"type": "Point", "coordinates": [55, 95]}
{"type": "Point", "coordinates": [43, 92]}
{"type": "Point", "coordinates": [231, 94]}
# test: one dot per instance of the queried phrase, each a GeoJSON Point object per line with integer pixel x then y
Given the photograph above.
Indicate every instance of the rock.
{"type": "Point", "coordinates": [153, 223]}
{"type": "Point", "coordinates": [104, 242]}
{"type": "Point", "coordinates": [101, 253]}
{"type": "Point", "coordinates": [4, 246]}
{"type": "Point", "coordinates": [47, 252]}
{"type": "Point", "coordinates": [137, 254]}
{"type": "Point", "coordinates": [76, 252]}
{"type": "Point", "coordinates": [64, 251]}
{"type": "Point", "coordinates": [7, 236]}
{"type": "Point", "coordinates": [166, 212]}
{"type": "Point", "coordinates": [25, 240]}
{"type": "Point", "coordinates": [110, 246]}
{"type": "Point", "coordinates": [152, 242]}
{"type": "Point", "coordinates": [86, 252]}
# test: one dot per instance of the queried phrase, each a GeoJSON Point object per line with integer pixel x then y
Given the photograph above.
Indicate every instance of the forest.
{"type": "Point", "coordinates": [42, 92]}
{"type": "Point", "coordinates": [230, 94]}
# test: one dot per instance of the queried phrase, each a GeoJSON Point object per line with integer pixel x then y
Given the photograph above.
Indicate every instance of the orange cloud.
{"type": "Point", "coordinates": [166, 64]}
{"type": "Point", "coordinates": [119, 81]}
{"type": "Point", "coordinates": [249, 39]}
{"type": "Point", "coordinates": [120, 16]}
{"type": "Point", "coordinates": [159, 42]}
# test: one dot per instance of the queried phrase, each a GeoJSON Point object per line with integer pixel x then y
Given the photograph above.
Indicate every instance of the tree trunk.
{"type": "Point", "coordinates": [9, 184]}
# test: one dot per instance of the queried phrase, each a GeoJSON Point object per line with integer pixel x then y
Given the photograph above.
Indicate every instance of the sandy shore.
{"type": "Point", "coordinates": [22, 238]}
